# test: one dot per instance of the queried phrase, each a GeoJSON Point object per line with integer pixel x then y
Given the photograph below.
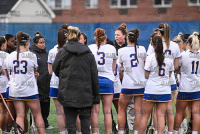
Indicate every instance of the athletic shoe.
{"type": "Point", "coordinates": [49, 127]}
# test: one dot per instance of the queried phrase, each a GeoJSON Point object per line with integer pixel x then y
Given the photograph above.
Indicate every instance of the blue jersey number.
{"type": "Point", "coordinates": [193, 67]}
{"type": "Point", "coordinates": [133, 60]}
{"type": "Point", "coordinates": [168, 52]}
{"type": "Point", "coordinates": [161, 71]}
{"type": "Point", "coordinates": [102, 62]}
{"type": "Point", "coordinates": [16, 67]}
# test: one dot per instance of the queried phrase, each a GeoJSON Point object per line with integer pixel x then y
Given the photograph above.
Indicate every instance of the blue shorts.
{"type": "Point", "coordinates": [4, 96]}
{"type": "Point", "coordinates": [116, 96]}
{"type": "Point", "coordinates": [132, 92]}
{"type": "Point", "coordinates": [7, 95]}
{"type": "Point", "coordinates": [173, 88]}
{"type": "Point", "coordinates": [105, 86]}
{"type": "Point", "coordinates": [157, 97]}
{"type": "Point", "coordinates": [53, 93]}
{"type": "Point", "coordinates": [188, 96]}
{"type": "Point", "coordinates": [29, 98]}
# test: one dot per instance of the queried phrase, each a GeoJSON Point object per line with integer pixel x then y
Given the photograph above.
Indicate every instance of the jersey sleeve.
{"type": "Point", "coordinates": [171, 68]}
{"type": "Point", "coordinates": [35, 61]}
{"type": "Point", "coordinates": [50, 61]}
{"type": "Point", "coordinates": [120, 57]}
{"type": "Point", "coordinates": [148, 66]}
{"type": "Point", "coordinates": [114, 53]}
{"type": "Point", "coordinates": [144, 54]}
{"type": "Point", "coordinates": [150, 50]}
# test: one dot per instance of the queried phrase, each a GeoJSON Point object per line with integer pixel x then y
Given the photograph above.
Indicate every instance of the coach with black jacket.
{"type": "Point", "coordinates": [78, 81]}
{"type": "Point", "coordinates": [43, 81]}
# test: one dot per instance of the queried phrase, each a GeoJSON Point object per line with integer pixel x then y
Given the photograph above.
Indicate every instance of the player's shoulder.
{"type": "Point", "coordinates": [173, 45]}
{"type": "Point", "coordinates": [92, 45]}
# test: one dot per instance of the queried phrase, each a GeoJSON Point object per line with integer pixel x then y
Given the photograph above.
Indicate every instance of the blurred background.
{"type": "Point", "coordinates": [46, 16]}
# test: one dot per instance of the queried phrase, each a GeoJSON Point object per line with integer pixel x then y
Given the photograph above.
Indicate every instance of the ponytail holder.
{"type": "Point", "coordinates": [37, 35]}
{"type": "Point", "coordinates": [160, 29]}
{"type": "Point", "coordinates": [130, 33]}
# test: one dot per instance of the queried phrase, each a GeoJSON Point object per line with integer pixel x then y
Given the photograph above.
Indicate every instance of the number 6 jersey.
{"type": "Point", "coordinates": [22, 78]}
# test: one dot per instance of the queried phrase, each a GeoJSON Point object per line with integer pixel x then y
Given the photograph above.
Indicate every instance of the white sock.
{"type": "Point", "coordinates": [155, 132]}
{"type": "Point", "coordinates": [185, 122]}
{"type": "Point", "coordinates": [135, 132]}
{"type": "Point", "coordinates": [175, 132]}
{"type": "Point", "coordinates": [120, 131]}
{"type": "Point", "coordinates": [78, 132]}
{"type": "Point", "coordinates": [94, 133]}
{"type": "Point", "coordinates": [63, 132]}
{"type": "Point", "coordinates": [194, 132]}
{"type": "Point", "coordinates": [66, 131]}
{"type": "Point", "coordinates": [170, 132]}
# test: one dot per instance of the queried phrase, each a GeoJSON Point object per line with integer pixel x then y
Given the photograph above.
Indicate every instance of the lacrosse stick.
{"type": "Point", "coordinates": [16, 129]}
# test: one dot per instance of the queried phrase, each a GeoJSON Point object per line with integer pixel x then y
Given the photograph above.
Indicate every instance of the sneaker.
{"type": "Point", "coordinates": [165, 130]}
{"type": "Point", "coordinates": [49, 127]}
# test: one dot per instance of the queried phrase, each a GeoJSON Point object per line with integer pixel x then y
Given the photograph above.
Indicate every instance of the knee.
{"type": "Point", "coordinates": [106, 111]}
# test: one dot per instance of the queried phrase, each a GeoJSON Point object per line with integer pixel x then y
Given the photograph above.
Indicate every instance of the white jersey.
{"type": "Point", "coordinates": [172, 53]}
{"type": "Point", "coordinates": [3, 78]}
{"type": "Point", "coordinates": [190, 72]}
{"type": "Point", "coordinates": [22, 79]}
{"type": "Point", "coordinates": [158, 81]}
{"type": "Point", "coordinates": [51, 57]}
{"type": "Point", "coordinates": [104, 59]}
{"type": "Point", "coordinates": [117, 82]}
{"type": "Point", "coordinates": [133, 69]}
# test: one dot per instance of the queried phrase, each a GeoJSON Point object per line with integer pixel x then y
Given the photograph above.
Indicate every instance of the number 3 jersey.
{"type": "Point", "coordinates": [190, 72]}
{"type": "Point", "coordinates": [22, 78]}
{"type": "Point", "coordinates": [158, 81]}
{"type": "Point", "coordinates": [104, 59]}
{"type": "Point", "coordinates": [133, 66]}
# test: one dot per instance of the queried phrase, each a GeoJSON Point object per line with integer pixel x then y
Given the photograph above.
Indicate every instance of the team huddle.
{"type": "Point", "coordinates": [122, 73]}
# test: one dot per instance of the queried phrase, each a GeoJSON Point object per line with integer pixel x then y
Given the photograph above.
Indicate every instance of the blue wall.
{"type": "Point", "coordinates": [50, 30]}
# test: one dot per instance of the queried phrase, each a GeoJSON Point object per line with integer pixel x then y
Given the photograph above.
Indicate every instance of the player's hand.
{"type": "Point", "coordinates": [37, 74]}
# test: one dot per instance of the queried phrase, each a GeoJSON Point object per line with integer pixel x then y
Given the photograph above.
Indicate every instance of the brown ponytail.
{"type": "Point", "coordinates": [157, 41]}
{"type": "Point", "coordinates": [164, 29]}
{"type": "Point", "coordinates": [22, 40]}
{"type": "Point", "coordinates": [2, 41]}
{"type": "Point", "coordinates": [100, 36]}
{"type": "Point", "coordinates": [133, 36]}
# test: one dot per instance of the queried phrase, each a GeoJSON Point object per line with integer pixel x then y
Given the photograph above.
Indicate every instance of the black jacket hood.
{"type": "Point", "coordinates": [37, 49]}
{"type": "Point", "coordinates": [76, 48]}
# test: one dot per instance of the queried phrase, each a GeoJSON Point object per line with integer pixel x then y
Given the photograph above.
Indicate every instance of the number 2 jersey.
{"type": "Point", "coordinates": [190, 72]}
{"type": "Point", "coordinates": [104, 59]}
{"type": "Point", "coordinates": [22, 79]}
{"type": "Point", "coordinates": [133, 69]}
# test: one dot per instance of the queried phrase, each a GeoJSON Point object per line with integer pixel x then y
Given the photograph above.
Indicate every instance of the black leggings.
{"type": "Point", "coordinates": [71, 114]}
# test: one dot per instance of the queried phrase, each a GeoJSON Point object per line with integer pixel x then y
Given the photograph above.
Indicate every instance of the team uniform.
{"type": "Point", "coordinates": [158, 84]}
{"type": "Point", "coordinates": [173, 53]}
{"type": "Point", "coordinates": [54, 79]}
{"type": "Point", "coordinates": [104, 59]}
{"type": "Point", "coordinates": [3, 78]}
{"type": "Point", "coordinates": [117, 82]}
{"type": "Point", "coordinates": [23, 85]}
{"type": "Point", "coordinates": [133, 82]}
{"type": "Point", "coordinates": [189, 89]}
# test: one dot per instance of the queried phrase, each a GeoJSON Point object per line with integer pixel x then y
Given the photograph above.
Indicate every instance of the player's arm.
{"type": "Point", "coordinates": [50, 69]}
{"type": "Point", "coordinates": [114, 65]}
{"type": "Point", "coordinates": [36, 73]}
{"type": "Point", "coordinates": [121, 73]}
{"type": "Point", "coordinates": [146, 74]}
{"type": "Point", "coordinates": [176, 65]}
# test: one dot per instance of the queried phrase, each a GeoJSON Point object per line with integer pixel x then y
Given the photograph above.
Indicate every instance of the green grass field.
{"type": "Point", "coordinates": [53, 120]}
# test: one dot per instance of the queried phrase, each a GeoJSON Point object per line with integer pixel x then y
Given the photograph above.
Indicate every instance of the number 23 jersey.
{"type": "Point", "coordinates": [104, 59]}
{"type": "Point", "coordinates": [22, 78]}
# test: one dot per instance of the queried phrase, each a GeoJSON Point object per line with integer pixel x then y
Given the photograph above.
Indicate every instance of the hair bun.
{"type": "Point", "coordinates": [180, 34]}
{"type": "Point", "coordinates": [195, 33]}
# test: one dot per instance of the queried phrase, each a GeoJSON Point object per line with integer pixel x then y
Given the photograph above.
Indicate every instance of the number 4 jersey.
{"type": "Point", "coordinates": [104, 59]}
{"type": "Point", "coordinates": [22, 78]}
{"type": "Point", "coordinates": [190, 72]}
